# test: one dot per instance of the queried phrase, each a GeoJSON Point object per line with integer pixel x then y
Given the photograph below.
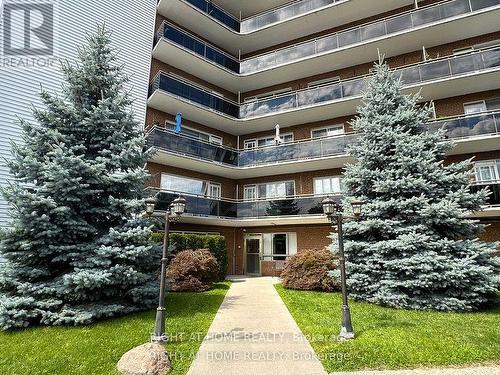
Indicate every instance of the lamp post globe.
{"type": "Point", "coordinates": [179, 205]}
{"type": "Point", "coordinates": [329, 206]}
{"type": "Point", "coordinates": [150, 205]}
{"type": "Point", "coordinates": [357, 206]}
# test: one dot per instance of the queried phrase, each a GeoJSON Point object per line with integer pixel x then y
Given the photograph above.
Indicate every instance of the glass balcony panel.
{"type": "Point", "coordinates": [354, 87]}
{"type": "Point", "coordinates": [455, 8]}
{"type": "Point", "coordinates": [426, 15]}
{"type": "Point", "coordinates": [327, 44]}
{"type": "Point", "coordinates": [294, 53]}
{"type": "Point", "coordinates": [319, 95]}
{"type": "Point", "coordinates": [481, 4]}
{"type": "Point", "coordinates": [399, 23]}
{"type": "Point", "coordinates": [349, 37]}
{"type": "Point", "coordinates": [472, 126]}
{"type": "Point", "coordinates": [410, 75]}
{"type": "Point", "coordinates": [434, 70]}
{"type": "Point", "coordinates": [268, 105]}
{"type": "Point", "coordinates": [464, 64]}
{"type": "Point", "coordinates": [491, 58]}
{"type": "Point", "coordinates": [372, 31]}
{"type": "Point", "coordinates": [258, 63]}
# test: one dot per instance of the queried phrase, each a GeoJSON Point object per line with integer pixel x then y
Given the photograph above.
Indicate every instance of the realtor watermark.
{"type": "Point", "coordinates": [28, 34]}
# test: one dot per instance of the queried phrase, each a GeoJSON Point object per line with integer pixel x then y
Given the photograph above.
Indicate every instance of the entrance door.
{"type": "Point", "coordinates": [253, 245]}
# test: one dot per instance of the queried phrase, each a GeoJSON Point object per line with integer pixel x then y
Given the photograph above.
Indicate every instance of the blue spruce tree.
{"type": "Point", "coordinates": [76, 251]}
{"type": "Point", "coordinates": [415, 246]}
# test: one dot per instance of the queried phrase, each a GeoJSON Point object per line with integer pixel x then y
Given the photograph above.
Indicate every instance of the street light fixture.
{"type": "Point", "coordinates": [334, 213]}
{"type": "Point", "coordinates": [176, 209]}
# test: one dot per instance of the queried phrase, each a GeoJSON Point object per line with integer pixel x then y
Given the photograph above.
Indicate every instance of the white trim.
{"type": "Point", "coordinates": [268, 94]}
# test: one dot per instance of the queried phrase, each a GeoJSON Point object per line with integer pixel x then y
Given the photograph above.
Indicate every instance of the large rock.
{"type": "Point", "coordinates": [147, 359]}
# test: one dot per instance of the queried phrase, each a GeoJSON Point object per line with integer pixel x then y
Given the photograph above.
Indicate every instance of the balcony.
{"type": "Point", "coordinates": [271, 27]}
{"type": "Point", "coordinates": [219, 211]}
{"type": "Point", "coordinates": [438, 78]}
{"type": "Point", "coordinates": [473, 133]}
{"type": "Point", "coordinates": [303, 209]}
{"type": "Point", "coordinates": [407, 32]}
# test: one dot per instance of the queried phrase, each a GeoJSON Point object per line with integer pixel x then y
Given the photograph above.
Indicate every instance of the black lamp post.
{"type": "Point", "coordinates": [334, 213]}
{"type": "Point", "coordinates": [176, 209]}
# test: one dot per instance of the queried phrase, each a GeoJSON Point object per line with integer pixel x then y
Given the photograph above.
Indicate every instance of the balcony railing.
{"type": "Point", "coordinates": [217, 13]}
{"type": "Point", "coordinates": [394, 24]}
{"type": "Point", "coordinates": [200, 205]}
{"type": "Point", "coordinates": [196, 45]}
{"type": "Point", "coordinates": [460, 127]}
{"type": "Point", "coordinates": [263, 19]}
{"type": "Point", "coordinates": [493, 187]}
{"type": "Point", "coordinates": [365, 32]}
{"type": "Point", "coordinates": [195, 94]}
{"type": "Point", "coordinates": [284, 13]}
{"type": "Point", "coordinates": [302, 205]}
{"type": "Point", "coordinates": [447, 67]}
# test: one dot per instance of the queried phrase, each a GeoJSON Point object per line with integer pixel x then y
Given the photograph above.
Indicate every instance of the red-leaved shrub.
{"type": "Point", "coordinates": [192, 271]}
{"type": "Point", "coordinates": [309, 270]}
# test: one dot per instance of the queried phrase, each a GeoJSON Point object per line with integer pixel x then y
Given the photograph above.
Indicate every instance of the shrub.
{"type": "Point", "coordinates": [216, 244]}
{"type": "Point", "coordinates": [193, 271]}
{"type": "Point", "coordinates": [311, 270]}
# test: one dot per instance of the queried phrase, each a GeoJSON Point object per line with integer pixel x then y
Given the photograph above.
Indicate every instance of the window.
{"type": "Point", "coordinates": [250, 192]}
{"type": "Point", "coordinates": [476, 107]}
{"type": "Point", "coordinates": [281, 189]}
{"type": "Point", "coordinates": [196, 134]}
{"type": "Point", "coordinates": [280, 245]}
{"type": "Point", "coordinates": [482, 106]}
{"type": "Point", "coordinates": [328, 185]}
{"type": "Point", "coordinates": [267, 141]}
{"type": "Point", "coordinates": [487, 171]}
{"type": "Point", "coordinates": [328, 131]}
{"type": "Point", "coordinates": [189, 185]}
{"type": "Point", "coordinates": [214, 190]}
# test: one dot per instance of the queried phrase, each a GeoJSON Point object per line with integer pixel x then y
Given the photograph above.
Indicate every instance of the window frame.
{"type": "Point", "coordinates": [257, 189]}
{"type": "Point", "coordinates": [206, 183]}
{"type": "Point", "coordinates": [340, 125]}
{"type": "Point", "coordinates": [482, 102]}
{"type": "Point", "coordinates": [256, 141]}
{"type": "Point", "coordinates": [339, 177]}
{"type": "Point", "coordinates": [493, 165]}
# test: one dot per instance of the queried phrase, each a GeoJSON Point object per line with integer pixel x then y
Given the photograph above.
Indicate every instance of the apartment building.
{"type": "Point", "coordinates": [266, 91]}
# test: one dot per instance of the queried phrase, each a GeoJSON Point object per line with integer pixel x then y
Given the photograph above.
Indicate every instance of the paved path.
{"type": "Point", "coordinates": [254, 334]}
{"type": "Point", "coordinates": [431, 371]}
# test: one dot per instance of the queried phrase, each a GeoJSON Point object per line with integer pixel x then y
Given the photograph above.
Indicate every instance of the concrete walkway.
{"type": "Point", "coordinates": [431, 371]}
{"type": "Point", "coordinates": [254, 334]}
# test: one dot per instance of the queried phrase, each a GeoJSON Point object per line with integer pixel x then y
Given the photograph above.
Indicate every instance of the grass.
{"type": "Point", "coordinates": [389, 338]}
{"type": "Point", "coordinates": [96, 349]}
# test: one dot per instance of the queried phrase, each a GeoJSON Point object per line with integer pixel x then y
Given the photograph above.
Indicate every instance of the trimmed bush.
{"type": "Point", "coordinates": [311, 270]}
{"type": "Point", "coordinates": [193, 271]}
{"type": "Point", "coordinates": [216, 245]}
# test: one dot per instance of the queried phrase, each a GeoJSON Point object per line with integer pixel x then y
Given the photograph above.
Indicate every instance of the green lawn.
{"type": "Point", "coordinates": [97, 348]}
{"type": "Point", "coordinates": [390, 338]}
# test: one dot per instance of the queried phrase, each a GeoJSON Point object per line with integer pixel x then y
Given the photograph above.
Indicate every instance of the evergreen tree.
{"type": "Point", "coordinates": [75, 250]}
{"type": "Point", "coordinates": [414, 246]}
